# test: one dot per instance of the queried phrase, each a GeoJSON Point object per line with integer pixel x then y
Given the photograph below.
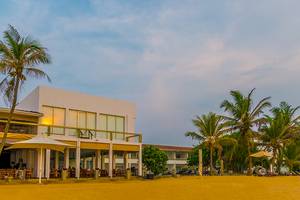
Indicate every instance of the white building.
{"type": "Point", "coordinates": [101, 131]}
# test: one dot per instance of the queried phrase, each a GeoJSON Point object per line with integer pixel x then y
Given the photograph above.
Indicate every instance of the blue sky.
{"type": "Point", "coordinates": [174, 58]}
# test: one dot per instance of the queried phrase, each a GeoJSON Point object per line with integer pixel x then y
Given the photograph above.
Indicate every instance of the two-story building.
{"type": "Point", "coordinates": [101, 132]}
{"type": "Point", "coordinates": [177, 156]}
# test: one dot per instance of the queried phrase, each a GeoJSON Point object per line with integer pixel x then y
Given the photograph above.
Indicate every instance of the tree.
{"type": "Point", "coordinates": [193, 158]}
{"type": "Point", "coordinates": [19, 60]}
{"type": "Point", "coordinates": [244, 117]}
{"type": "Point", "coordinates": [280, 130]}
{"type": "Point", "coordinates": [211, 130]}
{"type": "Point", "coordinates": [154, 159]}
{"type": "Point", "coordinates": [292, 155]}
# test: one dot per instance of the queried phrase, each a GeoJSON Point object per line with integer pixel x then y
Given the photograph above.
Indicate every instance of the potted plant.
{"type": "Point", "coordinates": [64, 174]}
{"type": "Point", "coordinates": [97, 173]}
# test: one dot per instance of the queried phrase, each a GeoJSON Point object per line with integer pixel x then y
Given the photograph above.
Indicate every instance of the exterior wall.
{"type": "Point", "coordinates": [48, 96]}
{"type": "Point", "coordinates": [30, 102]}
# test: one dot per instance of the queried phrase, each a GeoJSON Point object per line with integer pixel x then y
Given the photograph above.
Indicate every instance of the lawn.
{"type": "Point", "coordinates": [200, 188]}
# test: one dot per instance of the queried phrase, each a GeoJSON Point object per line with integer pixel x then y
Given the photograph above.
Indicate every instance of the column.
{"type": "Point", "coordinates": [56, 163]}
{"type": "Point", "coordinates": [98, 159]}
{"type": "Point", "coordinates": [78, 159]}
{"type": "Point", "coordinates": [125, 160]}
{"type": "Point", "coordinates": [67, 158]}
{"type": "Point", "coordinates": [110, 166]}
{"type": "Point", "coordinates": [140, 162]}
{"type": "Point", "coordinates": [47, 170]}
{"type": "Point", "coordinates": [102, 161]}
{"type": "Point", "coordinates": [40, 165]}
{"type": "Point", "coordinates": [200, 162]}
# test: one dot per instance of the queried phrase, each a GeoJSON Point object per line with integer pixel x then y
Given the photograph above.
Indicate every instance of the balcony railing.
{"type": "Point", "coordinates": [84, 133]}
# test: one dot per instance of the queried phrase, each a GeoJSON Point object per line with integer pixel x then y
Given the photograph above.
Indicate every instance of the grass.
{"type": "Point", "coordinates": [200, 188]}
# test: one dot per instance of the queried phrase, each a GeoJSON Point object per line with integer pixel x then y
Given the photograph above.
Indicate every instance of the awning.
{"type": "Point", "coordinates": [261, 154]}
{"type": "Point", "coordinates": [125, 147]}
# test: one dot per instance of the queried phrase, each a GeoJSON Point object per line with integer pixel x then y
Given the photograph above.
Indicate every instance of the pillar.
{"type": "Point", "coordinates": [140, 162]}
{"type": "Point", "coordinates": [110, 166]}
{"type": "Point", "coordinates": [125, 160]}
{"type": "Point", "coordinates": [98, 160]}
{"type": "Point", "coordinates": [67, 158]}
{"type": "Point", "coordinates": [40, 164]}
{"type": "Point", "coordinates": [78, 159]}
{"type": "Point", "coordinates": [200, 162]}
{"type": "Point", "coordinates": [102, 161]}
{"type": "Point", "coordinates": [56, 163]}
{"type": "Point", "coordinates": [47, 160]}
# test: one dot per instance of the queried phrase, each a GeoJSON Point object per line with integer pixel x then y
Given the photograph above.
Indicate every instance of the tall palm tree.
{"type": "Point", "coordinates": [292, 155]}
{"type": "Point", "coordinates": [19, 60]}
{"type": "Point", "coordinates": [280, 129]}
{"type": "Point", "coordinates": [211, 130]}
{"type": "Point", "coordinates": [245, 116]}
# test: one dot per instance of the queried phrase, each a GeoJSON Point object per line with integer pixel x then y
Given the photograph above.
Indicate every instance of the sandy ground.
{"type": "Point", "coordinates": [200, 188]}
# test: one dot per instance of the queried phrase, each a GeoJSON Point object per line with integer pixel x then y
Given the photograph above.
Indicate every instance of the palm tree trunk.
{"type": "Point", "coordinates": [274, 158]}
{"type": "Point", "coordinates": [250, 160]}
{"type": "Point", "coordinates": [9, 118]}
{"type": "Point", "coordinates": [211, 159]}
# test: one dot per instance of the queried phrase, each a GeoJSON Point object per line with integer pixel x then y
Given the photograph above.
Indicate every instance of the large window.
{"type": "Point", "coordinates": [82, 119]}
{"type": "Point", "coordinates": [54, 116]}
{"type": "Point", "coordinates": [112, 123]}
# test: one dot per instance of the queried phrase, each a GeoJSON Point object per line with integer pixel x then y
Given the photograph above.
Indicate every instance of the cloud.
{"type": "Point", "coordinates": [175, 59]}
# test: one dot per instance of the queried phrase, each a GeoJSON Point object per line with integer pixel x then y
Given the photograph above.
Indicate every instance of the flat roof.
{"type": "Point", "coordinates": [170, 147]}
{"type": "Point", "coordinates": [22, 112]}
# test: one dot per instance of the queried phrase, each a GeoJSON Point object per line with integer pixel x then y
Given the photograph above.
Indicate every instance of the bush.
{"type": "Point", "coordinates": [154, 159]}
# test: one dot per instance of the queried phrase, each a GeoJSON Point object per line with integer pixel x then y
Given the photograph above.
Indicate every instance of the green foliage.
{"type": "Point", "coordinates": [154, 159]}
{"type": "Point", "coordinates": [211, 133]}
{"type": "Point", "coordinates": [193, 159]}
{"type": "Point", "coordinates": [19, 60]}
{"type": "Point", "coordinates": [244, 116]}
{"type": "Point", "coordinates": [246, 130]}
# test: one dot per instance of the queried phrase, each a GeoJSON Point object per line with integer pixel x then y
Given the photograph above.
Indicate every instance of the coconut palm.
{"type": "Point", "coordinates": [19, 60]}
{"type": "Point", "coordinates": [211, 130]}
{"type": "Point", "coordinates": [244, 116]}
{"type": "Point", "coordinates": [292, 155]}
{"type": "Point", "coordinates": [280, 129]}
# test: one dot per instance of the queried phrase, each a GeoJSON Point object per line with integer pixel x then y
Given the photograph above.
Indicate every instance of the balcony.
{"type": "Point", "coordinates": [72, 132]}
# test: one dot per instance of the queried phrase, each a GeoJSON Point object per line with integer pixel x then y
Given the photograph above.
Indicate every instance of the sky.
{"type": "Point", "coordinates": [174, 58]}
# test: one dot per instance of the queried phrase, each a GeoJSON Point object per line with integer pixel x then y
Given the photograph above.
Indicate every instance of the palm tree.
{"type": "Point", "coordinates": [19, 58]}
{"type": "Point", "coordinates": [292, 155]}
{"type": "Point", "coordinates": [280, 129]}
{"type": "Point", "coordinates": [211, 130]}
{"type": "Point", "coordinates": [244, 117]}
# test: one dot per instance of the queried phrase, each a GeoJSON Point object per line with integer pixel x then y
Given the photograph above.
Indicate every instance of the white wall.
{"type": "Point", "coordinates": [30, 102]}
{"type": "Point", "coordinates": [44, 95]}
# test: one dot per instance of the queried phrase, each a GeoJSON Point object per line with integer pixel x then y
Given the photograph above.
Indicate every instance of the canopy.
{"type": "Point", "coordinates": [38, 142]}
{"type": "Point", "coordinates": [18, 136]}
{"type": "Point", "coordinates": [261, 154]}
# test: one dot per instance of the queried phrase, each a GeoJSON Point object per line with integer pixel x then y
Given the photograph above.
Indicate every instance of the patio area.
{"type": "Point", "coordinates": [204, 188]}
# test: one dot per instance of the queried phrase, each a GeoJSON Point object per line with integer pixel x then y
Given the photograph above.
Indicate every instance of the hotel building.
{"type": "Point", "coordinates": [100, 131]}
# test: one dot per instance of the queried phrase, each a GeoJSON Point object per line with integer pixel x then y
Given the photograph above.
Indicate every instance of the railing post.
{"type": "Point", "coordinates": [110, 136]}
{"type": "Point", "coordinates": [48, 130]}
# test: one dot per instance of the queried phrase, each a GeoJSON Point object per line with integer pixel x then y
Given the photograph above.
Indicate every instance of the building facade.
{"type": "Point", "coordinates": [100, 131]}
{"type": "Point", "coordinates": [177, 156]}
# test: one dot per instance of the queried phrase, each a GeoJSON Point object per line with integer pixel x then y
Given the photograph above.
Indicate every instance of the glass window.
{"type": "Point", "coordinates": [111, 123]}
{"type": "Point", "coordinates": [102, 122]}
{"type": "Point", "coordinates": [59, 116]}
{"type": "Point", "coordinates": [82, 119]}
{"type": "Point", "coordinates": [91, 121]}
{"type": "Point", "coordinates": [119, 124]}
{"type": "Point", "coordinates": [73, 118]}
{"type": "Point", "coordinates": [47, 115]}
